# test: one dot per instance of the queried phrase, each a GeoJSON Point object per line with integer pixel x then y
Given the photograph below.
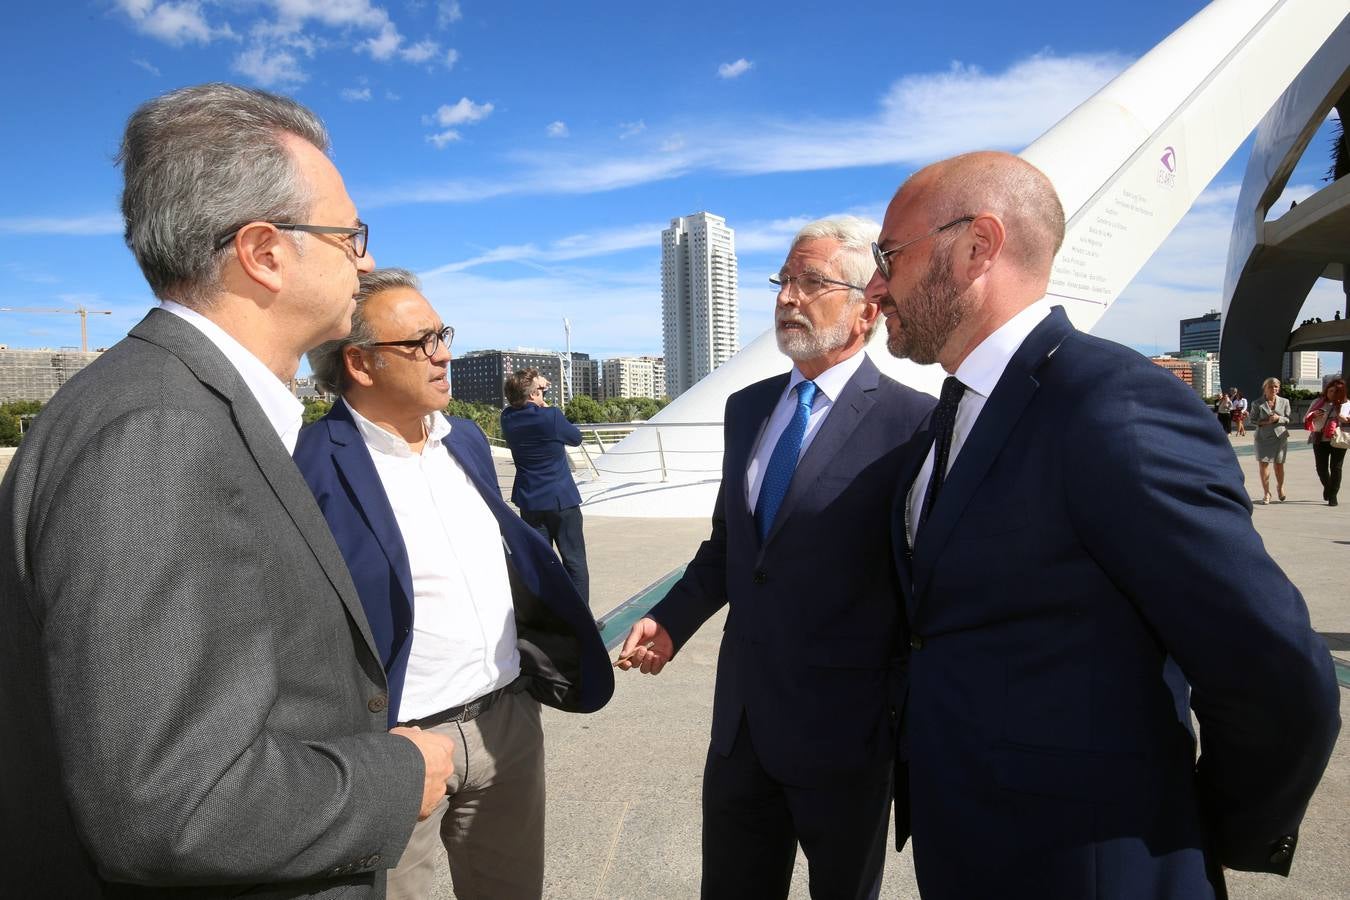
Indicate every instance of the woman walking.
{"type": "Point", "coordinates": [1329, 415]}
{"type": "Point", "coordinates": [1272, 436]}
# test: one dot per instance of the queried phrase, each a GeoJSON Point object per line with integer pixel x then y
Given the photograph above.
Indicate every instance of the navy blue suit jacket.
{"type": "Point", "coordinates": [812, 639]}
{"type": "Point", "coordinates": [560, 647]}
{"type": "Point", "coordinates": [537, 436]}
{"type": "Point", "coordinates": [1091, 545]}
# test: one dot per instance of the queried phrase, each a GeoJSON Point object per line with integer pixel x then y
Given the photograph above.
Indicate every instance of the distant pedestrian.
{"type": "Point", "coordinates": [1272, 436]}
{"type": "Point", "coordinates": [1329, 422]}
{"type": "Point", "coordinates": [544, 492]}
{"type": "Point", "coordinates": [1224, 408]}
{"type": "Point", "coordinates": [1240, 412]}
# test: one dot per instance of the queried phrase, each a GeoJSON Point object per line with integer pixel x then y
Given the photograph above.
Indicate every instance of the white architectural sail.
{"type": "Point", "coordinates": [1128, 163]}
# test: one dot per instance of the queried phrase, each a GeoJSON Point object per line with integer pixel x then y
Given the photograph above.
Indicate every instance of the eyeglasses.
{"type": "Point", "coordinates": [882, 256]}
{"type": "Point", "coordinates": [429, 343]}
{"type": "Point", "coordinates": [360, 235]}
{"type": "Point", "coordinates": [808, 283]}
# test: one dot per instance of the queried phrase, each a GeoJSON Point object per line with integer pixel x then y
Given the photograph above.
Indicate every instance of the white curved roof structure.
{"type": "Point", "coordinates": [1128, 163]}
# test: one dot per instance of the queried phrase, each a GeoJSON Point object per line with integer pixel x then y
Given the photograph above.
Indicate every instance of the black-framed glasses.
{"type": "Point", "coordinates": [808, 283]}
{"type": "Point", "coordinates": [428, 343]}
{"type": "Point", "coordinates": [882, 257]}
{"type": "Point", "coordinates": [360, 235]}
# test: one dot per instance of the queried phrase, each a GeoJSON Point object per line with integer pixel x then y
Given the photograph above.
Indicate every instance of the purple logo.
{"type": "Point", "coordinates": [1169, 159]}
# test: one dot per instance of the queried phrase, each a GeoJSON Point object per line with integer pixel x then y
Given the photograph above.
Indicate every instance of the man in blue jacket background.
{"type": "Point", "coordinates": [544, 490]}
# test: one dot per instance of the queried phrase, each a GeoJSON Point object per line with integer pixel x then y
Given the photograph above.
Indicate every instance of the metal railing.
{"type": "Point", "coordinates": [666, 458]}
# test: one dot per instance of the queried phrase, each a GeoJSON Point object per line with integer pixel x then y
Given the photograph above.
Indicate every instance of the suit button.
{"type": "Point", "coordinates": [1283, 850]}
{"type": "Point", "coordinates": [916, 641]}
{"type": "Point", "coordinates": [378, 703]}
{"type": "Point", "coordinates": [760, 576]}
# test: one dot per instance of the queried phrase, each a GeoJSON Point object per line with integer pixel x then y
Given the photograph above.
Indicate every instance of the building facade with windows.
{"type": "Point", "coordinates": [38, 374]}
{"type": "Point", "coordinates": [699, 282]}
{"type": "Point", "coordinates": [1202, 332]}
{"type": "Point", "coordinates": [477, 376]}
{"type": "Point", "coordinates": [1302, 369]}
{"type": "Point", "coordinates": [634, 376]}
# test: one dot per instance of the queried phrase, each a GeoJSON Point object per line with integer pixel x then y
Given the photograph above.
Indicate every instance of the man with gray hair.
{"type": "Point", "coordinates": [803, 722]}
{"type": "Point", "coordinates": [475, 621]}
{"type": "Point", "coordinates": [194, 702]}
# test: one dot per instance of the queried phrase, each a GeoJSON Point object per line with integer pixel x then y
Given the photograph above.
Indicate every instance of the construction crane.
{"type": "Point", "coordinates": [80, 311]}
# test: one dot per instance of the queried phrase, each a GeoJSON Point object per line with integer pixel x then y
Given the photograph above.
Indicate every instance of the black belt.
{"type": "Point", "coordinates": [465, 712]}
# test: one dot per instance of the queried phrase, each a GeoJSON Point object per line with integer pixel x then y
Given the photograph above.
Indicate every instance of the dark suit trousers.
{"type": "Point", "coordinates": [562, 529]}
{"type": "Point", "coordinates": [753, 823]}
{"type": "Point", "coordinates": [1329, 461]}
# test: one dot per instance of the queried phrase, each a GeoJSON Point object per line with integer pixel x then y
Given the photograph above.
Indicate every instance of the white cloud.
{"type": "Point", "coordinates": [147, 66]}
{"type": "Point", "coordinates": [269, 66]}
{"type": "Point", "coordinates": [449, 136]}
{"type": "Point", "coordinates": [356, 95]}
{"type": "Point", "coordinates": [420, 52]}
{"type": "Point", "coordinates": [735, 69]}
{"type": "Point", "coordinates": [174, 23]}
{"type": "Point", "coordinates": [920, 118]}
{"type": "Point", "coordinates": [75, 226]}
{"type": "Point", "coordinates": [384, 45]}
{"type": "Point", "coordinates": [557, 129]}
{"type": "Point", "coordinates": [463, 112]}
{"type": "Point", "coordinates": [451, 57]}
{"type": "Point", "coordinates": [448, 12]}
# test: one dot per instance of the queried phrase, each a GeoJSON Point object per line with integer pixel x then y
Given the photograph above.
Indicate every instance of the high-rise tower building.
{"type": "Point", "coordinates": [1201, 332]}
{"type": "Point", "coordinates": [698, 298]}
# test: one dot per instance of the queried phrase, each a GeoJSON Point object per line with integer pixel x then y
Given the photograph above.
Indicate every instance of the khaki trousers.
{"type": "Point", "coordinates": [492, 822]}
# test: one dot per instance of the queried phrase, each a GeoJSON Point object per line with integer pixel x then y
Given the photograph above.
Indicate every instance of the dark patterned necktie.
{"type": "Point", "coordinates": [783, 462]}
{"type": "Point", "coordinates": [944, 421]}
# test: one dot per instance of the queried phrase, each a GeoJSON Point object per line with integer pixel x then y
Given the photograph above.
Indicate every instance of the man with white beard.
{"type": "Point", "coordinates": [803, 718]}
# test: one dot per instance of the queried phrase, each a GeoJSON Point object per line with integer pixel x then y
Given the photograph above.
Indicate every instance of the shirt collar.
{"type": "Point", "coordinates": [377, 437]}
{"type": "Point", "coordinates": [283, 411]}
{"type": "Point", "coordinates": [983, 367]}
{"type": "Point", "coordinates": [832, 380]}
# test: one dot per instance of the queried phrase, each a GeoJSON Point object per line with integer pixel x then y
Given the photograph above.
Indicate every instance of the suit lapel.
{"type": "Point", "coordinates": [846, 412]}
{"type": "Point", "coordinates": [210, 366]}
{"type": "Point", "coordinates": [1001, 411]}
{"type": "Point", "coordinates": [900, 540]}
{"type": "Point", "coordinates": [352, 458]}
{"type": "Point", "coordinates": [748, 422]}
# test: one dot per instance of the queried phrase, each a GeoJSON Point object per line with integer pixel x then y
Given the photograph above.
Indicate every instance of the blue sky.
{"type": "Point", "coordinates": [524, 156]}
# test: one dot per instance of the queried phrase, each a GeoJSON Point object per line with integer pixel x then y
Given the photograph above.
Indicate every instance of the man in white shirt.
{"type": "Point", "coordinates": [803, 719]}
{"type": "Point", "coordinates": [474, 617]}
{"type": "Point", "coordinates": [1064, 600]}
{"type": "Point", "coordinates": [193, 700]}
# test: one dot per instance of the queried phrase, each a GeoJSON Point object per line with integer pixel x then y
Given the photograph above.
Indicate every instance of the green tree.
{"type": "Point", "coordinates": [9, 429]}
{"type": "Point", "coordinates": [583, 410]}
{"type": "Point", "coordinates": [316, 409]}
{"type": "Point", "coordinates": [486, 417]}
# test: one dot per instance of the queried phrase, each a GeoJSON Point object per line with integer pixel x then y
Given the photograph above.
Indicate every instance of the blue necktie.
{"type": "Point", "coordinates": [783, 462]}
{"type": "Point", "coordinates": [944, 424]}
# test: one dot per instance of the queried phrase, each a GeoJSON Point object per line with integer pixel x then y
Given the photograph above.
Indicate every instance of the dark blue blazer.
{"type": "Point", "coordinates": [1091, 546]}
{"type": "Point", "coordinates": [812, 637]}
{"type": "Point", "coordinates": [560, 647]}
{"type": "Point", "coordinates": [536, 436]}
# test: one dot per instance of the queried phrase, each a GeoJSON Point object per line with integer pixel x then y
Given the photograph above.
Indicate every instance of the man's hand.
{"type": "Point", "coordinates": [438, 753]}
{"type": "Point", "coordinates": [648, 647]}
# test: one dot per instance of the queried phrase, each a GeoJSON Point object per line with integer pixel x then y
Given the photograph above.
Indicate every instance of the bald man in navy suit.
{"type": "Point", "coordinates": [1066, 605]}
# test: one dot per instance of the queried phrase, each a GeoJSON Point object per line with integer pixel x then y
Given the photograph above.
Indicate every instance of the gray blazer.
{"type": "Point", "coordinates": [192, 703]}
{"type": "Point", "coordinates": [1262, 411]}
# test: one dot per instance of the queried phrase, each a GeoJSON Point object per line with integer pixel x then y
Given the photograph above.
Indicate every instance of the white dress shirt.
{"type": "Point", "coordinates": [828, 385]}
{"type": "Point", "coordinates": [979, 372]}
{"type": "Point", "coordinates": [464, 624]}
{"type": "Point", "coordinates": [283, 411]}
